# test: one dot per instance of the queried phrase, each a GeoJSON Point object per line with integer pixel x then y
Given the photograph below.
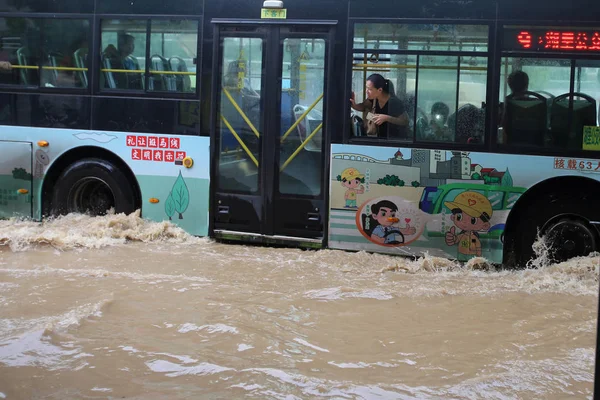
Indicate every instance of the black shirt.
{"type": "Point", "coordinates": [394, 108]}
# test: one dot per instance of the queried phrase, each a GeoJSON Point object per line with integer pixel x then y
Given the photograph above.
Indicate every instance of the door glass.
{"type": "Point", "coordinates": [302, 89]}
{"type": "Point", "coordinates": [239, 121]}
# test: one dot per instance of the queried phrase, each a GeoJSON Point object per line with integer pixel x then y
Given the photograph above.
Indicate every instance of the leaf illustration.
{"type": "Point", "coordinates": [170, 205]}
{"type": "Point", "coordinates": [181, 195]}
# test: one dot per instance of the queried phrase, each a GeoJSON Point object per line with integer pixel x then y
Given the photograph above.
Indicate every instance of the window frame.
{"type": "Point", "coordinates": [100, 91]}
{"type": "Point", "coordinates": [415, 142]}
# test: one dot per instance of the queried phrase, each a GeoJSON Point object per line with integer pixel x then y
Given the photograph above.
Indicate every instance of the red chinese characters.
{"type": "Point", "coordinates": [146, 148]}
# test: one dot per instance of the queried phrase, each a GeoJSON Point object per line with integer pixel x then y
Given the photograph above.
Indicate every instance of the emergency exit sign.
{"type": "Point", "coordinates": [276, 13]}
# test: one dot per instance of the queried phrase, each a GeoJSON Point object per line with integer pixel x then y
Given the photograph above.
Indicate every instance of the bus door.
{"type": "Point", "coordinates": [269, 147]}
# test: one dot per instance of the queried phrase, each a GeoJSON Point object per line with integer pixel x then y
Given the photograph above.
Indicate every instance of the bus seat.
{"type": "Point", "coordinates": [28, 76]}
{"type": "Point", "coordinates": [525, 120]}
{"type": "Point", "coordinates": [183, 82]}
{"type": "Point", "coordinates": [468, 124]}
{"type": "Point", "coordinates": [80, 61]}
{"type": "Point", "coordinates": [567, 130]}
{"type": "Point", "coordinates": [109, 79]}
{"type": "Point", "coordinates": [307, 125]}
{"type": "Point", "coordinates": [165, 82]}
{"type": "Point", "coordinates": [51, 76]}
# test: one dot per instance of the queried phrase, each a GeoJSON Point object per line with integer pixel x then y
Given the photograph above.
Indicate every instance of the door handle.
{"type": "Point", "coordinates": [314, 217]}
{"type": "Point", "coordinates": [223, 210]}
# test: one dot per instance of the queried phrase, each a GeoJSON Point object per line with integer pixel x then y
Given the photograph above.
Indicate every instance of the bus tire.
{"type": "Point", "coordinates": [563, 220]}
{"type": "Point", "coordinates": [93, 186]}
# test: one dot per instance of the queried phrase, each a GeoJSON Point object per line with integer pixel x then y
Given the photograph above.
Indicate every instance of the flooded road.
{"type": "Point", "coordinates": [117, 307]}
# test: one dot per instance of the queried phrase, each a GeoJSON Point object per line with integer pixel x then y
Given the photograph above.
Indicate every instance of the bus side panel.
{"type": "Point", "coordinates": [155, 160]}
{"type": "Point", "coordinates": [407, 201]}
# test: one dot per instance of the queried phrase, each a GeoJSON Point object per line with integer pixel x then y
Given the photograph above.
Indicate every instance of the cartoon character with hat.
{"type": "Point", "coordinates": [352, 179]}
{"type": "Point", "coordinates": [471, 212]}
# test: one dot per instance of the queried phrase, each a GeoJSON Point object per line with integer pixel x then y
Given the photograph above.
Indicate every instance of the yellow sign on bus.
{"type": "Point", "coordinates": [591, 138]}
{"type": "Point", "coordinates": [277, 13]}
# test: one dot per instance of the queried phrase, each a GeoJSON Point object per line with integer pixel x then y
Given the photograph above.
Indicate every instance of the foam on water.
{"type": "Point", "coordinates": [82, 231]}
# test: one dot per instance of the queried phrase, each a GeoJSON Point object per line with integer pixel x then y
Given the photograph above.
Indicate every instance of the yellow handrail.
{"type": "Point", "coordinates": [25, 66]}
{"type": "Point", "coordinates": [289, 160]}
{"type": "Point", "coordinates": [64, 68]}
{"type": "Point", "coordinates": [141, 71]}
{"type": "Point", "coordinates": [301, 118]}
{"type": "Point", "coordinates": [240, 141]}
{"type": "Point", "coordinates": [173, 72]}
{"type": "Point", "coordinates": [239, 110]}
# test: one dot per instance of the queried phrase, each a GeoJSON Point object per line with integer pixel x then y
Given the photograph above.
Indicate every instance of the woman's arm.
{"type": "Point", "coordinates": [400, 120]}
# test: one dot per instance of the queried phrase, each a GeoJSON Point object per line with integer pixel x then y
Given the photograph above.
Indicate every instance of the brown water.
{"type": "Point", "coordinates": [117, 307]}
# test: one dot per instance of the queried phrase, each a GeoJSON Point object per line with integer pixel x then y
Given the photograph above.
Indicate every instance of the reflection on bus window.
{"type": "Point", "coordinates": [239, 123]}
{"type": "Point", "coordinates": [123, 57]}
{"type": "Point", "coordinates": [173, 48]}
{"type": "Point", "coordinates": [19, 49]}
{"type": "Point", "coordinates": [540, 109]}
{"type": "Point", "coordinates": [64, 52]}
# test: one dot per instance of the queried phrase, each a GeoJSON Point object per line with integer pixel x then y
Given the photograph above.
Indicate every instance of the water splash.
{"type": "Point", "coordinates": [82, 231]}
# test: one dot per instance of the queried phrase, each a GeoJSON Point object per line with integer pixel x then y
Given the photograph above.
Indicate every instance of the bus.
{"type": "Point", "coordinates": [232, 120]}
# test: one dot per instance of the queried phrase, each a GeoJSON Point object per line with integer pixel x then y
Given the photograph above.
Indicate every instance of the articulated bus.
{"type": "Point", "coordinates": [232, 119]}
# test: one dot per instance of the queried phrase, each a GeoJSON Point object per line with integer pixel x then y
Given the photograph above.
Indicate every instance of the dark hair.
{"type": "Point", "coordinates": [518, 81]}
{"type": "Point", "coordinates": [379, 82]}
{"type": "Point", "coordinates": [123, 37]}
{"type": "Point", "coordinates": [441, 108]}
{"type": "Point", "coordinates": [383, 203]}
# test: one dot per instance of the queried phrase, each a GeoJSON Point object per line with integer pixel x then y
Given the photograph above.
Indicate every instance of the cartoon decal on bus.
{"type": "Point", "coordinates": [389, 221]}
{"type": "Point", "coordinates": [352, 180]}
{"type": "Point", "coordinates": [436, 202]}
{"type": "Point", "coordinates": [471, 213]}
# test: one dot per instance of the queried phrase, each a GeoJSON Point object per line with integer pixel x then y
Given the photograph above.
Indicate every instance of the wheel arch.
{"type": "Point", "coordinates": [78, 153]}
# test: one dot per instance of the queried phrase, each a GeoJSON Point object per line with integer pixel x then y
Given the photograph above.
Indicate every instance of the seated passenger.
{"type": "Point", "coordinates": [437, 124]}
{"type": "Point", "coordinates": [387, 115]}
{"type": "Point", "coordinates": [518, 82]}
{"type": "Point", "coordinates": [121, 58]}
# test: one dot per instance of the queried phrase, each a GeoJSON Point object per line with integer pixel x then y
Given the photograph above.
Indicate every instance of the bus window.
{"type": "Point", "coordinates": [19, 51]}
{"type": "Point", "coordinates": [64, 53]}
{"type": "Point", "coordinates": [123, 57]}
{"type": "Point", "coordinates": [173, 50]}
{"type": "Point", "coordinates": [436, 96]}
{"type": "Point", "coordinates": [430, 81]}
{"type": "Point", "coordinates": [548, 102]}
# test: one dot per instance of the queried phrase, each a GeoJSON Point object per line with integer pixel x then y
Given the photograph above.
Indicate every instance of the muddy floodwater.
{"type": "Point", "coordinates": [117, 307]}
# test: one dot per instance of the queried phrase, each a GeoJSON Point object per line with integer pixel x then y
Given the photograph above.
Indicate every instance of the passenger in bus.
{"type": "Point", "coordinates": [387, 115]}
{"type": "Point", "coordinates": [5, 66]}
{"type": "Point", "coordinates": [437, 124]}
{"type": "Point", "coordinates": [518, 82]}
{"type": "Point", "coordinates": [121, 58]}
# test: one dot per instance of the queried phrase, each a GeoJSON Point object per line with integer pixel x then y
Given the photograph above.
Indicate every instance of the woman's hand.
{"type": "Point", "coordinates": [380, 118]}
{"type": "Point", "coordinates": [353, 100]}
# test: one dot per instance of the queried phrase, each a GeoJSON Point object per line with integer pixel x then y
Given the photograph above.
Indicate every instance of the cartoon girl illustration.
{"type": "Point", "coordinates": [382, 224]}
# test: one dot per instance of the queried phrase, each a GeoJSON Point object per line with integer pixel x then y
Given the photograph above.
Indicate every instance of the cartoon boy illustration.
{"type": "Point", "coordinates": [471, 213]}
{"type": "Point", "coordinates": [352, 179]}
{"type": "Point", "coordinates": [381, 224]}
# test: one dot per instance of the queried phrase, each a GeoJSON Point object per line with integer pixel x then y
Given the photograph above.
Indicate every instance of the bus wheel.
{"type": "Point", "coordinates": [93, 186]}
{"type": "Point", "coordinates": [561, 222]}
{"type": "Point", "coordinates": [569, 236]}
